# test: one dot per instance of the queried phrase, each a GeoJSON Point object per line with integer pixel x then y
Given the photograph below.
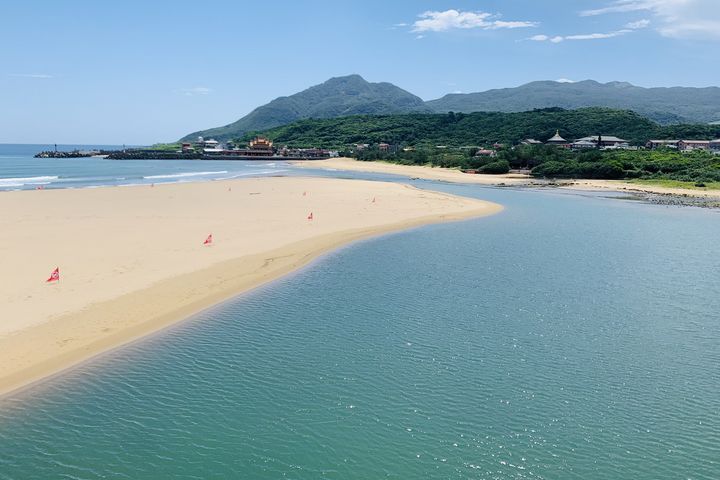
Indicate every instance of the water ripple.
{"type": "Point", "coordinates": [513, 347]}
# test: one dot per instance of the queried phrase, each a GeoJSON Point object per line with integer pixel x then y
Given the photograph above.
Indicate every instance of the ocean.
{"type": "Point", "coordinates": [20, 171]}
{"type": "Point", "coordinates": [571, 336]}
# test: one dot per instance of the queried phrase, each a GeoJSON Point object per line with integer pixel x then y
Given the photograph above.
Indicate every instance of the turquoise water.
{"type": "Point", "coordinates": [20, 171]}
{"type": "Point", "coordinates": [569, 337]}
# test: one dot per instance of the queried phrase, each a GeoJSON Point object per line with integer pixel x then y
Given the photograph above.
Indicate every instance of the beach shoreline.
{"type": "Point", "coordinates": [49, 333]}
{"type": "Point", "coordinates": [507, 180]}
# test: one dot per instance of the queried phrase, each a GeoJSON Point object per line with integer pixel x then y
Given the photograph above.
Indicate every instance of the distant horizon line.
{"type": "Point", "coordinates": [73, 144]}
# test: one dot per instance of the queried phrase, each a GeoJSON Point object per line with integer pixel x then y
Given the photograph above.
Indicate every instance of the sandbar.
{"type": "Point", "coordinates": [510, 179]}
{"type": "Point", "coordinates": [132, 259]}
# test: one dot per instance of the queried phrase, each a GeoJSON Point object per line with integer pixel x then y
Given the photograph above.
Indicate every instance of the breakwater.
{"type": "Point", "coordinates": [150, 154]}
{"type": "Point", "coordinates": [162, 155]}
{"type": "Point", "coordinates": [71, 154]}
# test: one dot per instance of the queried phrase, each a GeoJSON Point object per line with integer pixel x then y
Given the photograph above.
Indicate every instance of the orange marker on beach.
{"type": "Point", "coordinates": [208, 240]}
{"type": "Point", "coordinates": [54, 276]}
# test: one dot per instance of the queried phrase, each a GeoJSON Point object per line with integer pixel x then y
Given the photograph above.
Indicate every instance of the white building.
{"type": "Point", "coordinates": [653, 144]}
{"type": "Point", "coordinates": [715, 146]}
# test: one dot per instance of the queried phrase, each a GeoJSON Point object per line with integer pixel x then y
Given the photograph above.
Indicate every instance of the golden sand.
{"type": "Point", "coordinates": [517, 179]}
{"type": "Point", "coordinates": [132, 259]}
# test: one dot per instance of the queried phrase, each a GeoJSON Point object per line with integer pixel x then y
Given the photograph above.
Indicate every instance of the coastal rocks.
{"type": "Point", "coordinates": [73, 154]}
{"type": "Point", "coordinates": [153, 155]}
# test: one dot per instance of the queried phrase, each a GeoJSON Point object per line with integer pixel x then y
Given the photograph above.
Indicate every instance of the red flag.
{"type": "Point", "coordinates": [310, 217]}
{"type": "Point", "coordinates": [208, 240]}
{"type": "Point", "coordinates": [54, 276]}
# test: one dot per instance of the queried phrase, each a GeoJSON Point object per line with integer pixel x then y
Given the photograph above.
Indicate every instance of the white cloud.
{"type": "Point", "coordinates": [691, 19]}
{"type": "Point", "coordinates": [582, 36]}
{"type": "Point", "coordinates": [434, 21]}
{"type": "Point", "coordinates": [31, 75]}
{"type": "Point", "coordinates": [638, 25]}
{"type": "Point", "coordinates": [501, 24]}
{"type": "Point", "coordinates": [190, 92]}
{"type": "Point", "coordinates": [564, 80]}
{"type": "Point", "coordinates": [620, 6]}
{"type": "Point", "coordinates": [597, 36]}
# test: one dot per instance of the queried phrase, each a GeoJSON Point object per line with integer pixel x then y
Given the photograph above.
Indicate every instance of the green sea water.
{"type": "Point", "coordinates": [569, 337]}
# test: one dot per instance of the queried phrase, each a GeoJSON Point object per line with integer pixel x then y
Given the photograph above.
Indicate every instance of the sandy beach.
{"type": "Point", "coordinates": [456, 176]}
{"type": "Point", "coordinates": [132, 259]}
{"type": "Point", "coordinates": [416, 171]}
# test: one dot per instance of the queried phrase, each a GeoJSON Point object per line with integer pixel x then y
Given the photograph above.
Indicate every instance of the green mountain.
{"type": "Point", "coordinates": [480, 128]}
{"type": "Point", "coordinates": [352, 95]}
{"type": "Point", "coordinates": [337, 97]}
{"type": "Point", "coordinates": [663, 105]}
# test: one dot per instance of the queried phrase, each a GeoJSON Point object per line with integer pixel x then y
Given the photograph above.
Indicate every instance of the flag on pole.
{"type": "Point", "coordinates": [310, 217]}
{"type": "Point", "coordinates": [54, 276]}
{"type": "Point", "coordinates": [208, 240]}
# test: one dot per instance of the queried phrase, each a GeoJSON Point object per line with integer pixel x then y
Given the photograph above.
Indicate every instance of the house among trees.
{"type": "Point", "coordinates": [210, 143]}
{"type": "Point", "coordinates": [583, 144]}
{"type": "Point", "coordinates": [653, 144]}
{"type": "Point", "coordinates": [715, 146]}
{"type": "Point", "coordinates": [685, 145]}
{"type": "Point", "coordinates": [485, 153]}
{"type": "Point", "coordinates": [557, 140]}
{"type": "Point", "coordinates": [601, 141]}
{"type": "Point", "coordinates": [690, 145]}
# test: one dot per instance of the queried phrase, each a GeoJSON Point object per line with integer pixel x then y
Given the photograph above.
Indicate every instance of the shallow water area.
{"type": "Point", "coordinates": [571, 336]}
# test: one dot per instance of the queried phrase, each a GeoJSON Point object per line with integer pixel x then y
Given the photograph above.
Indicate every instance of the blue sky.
{"type": "Point", "coordinates": [138, 72]}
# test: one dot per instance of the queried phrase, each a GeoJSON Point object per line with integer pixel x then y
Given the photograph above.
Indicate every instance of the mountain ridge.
{"type": "Point", "coordinates": [336, 97]}
{"type": "Point", "coordinates": [665, 105]}
{"type": "Point", "coordinates": [353, 95]}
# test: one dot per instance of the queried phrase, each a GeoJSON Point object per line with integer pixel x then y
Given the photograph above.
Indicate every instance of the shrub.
{"type": "Point", "coordinates": [496, 168]}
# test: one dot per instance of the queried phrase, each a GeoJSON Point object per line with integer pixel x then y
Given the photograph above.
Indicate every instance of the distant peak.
{"type": "Point", "coordinates": [620, 84]}
{"type": "Point", "coordinates": [354, 77]}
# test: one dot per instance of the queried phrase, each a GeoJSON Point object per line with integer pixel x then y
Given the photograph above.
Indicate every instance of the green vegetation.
{"type": "Point", "coordinates": [474, 129]}
{"type": "Point", "coordinates": [166, 147]}
{"type": "Point", "coordinates": [663, 105]}
{"type": "Point", "coordinates": [452, 140]}
{"type": "Point", "coordinates": [352, 95]}
{"type": "Point", "coordinates": [667, 167]}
